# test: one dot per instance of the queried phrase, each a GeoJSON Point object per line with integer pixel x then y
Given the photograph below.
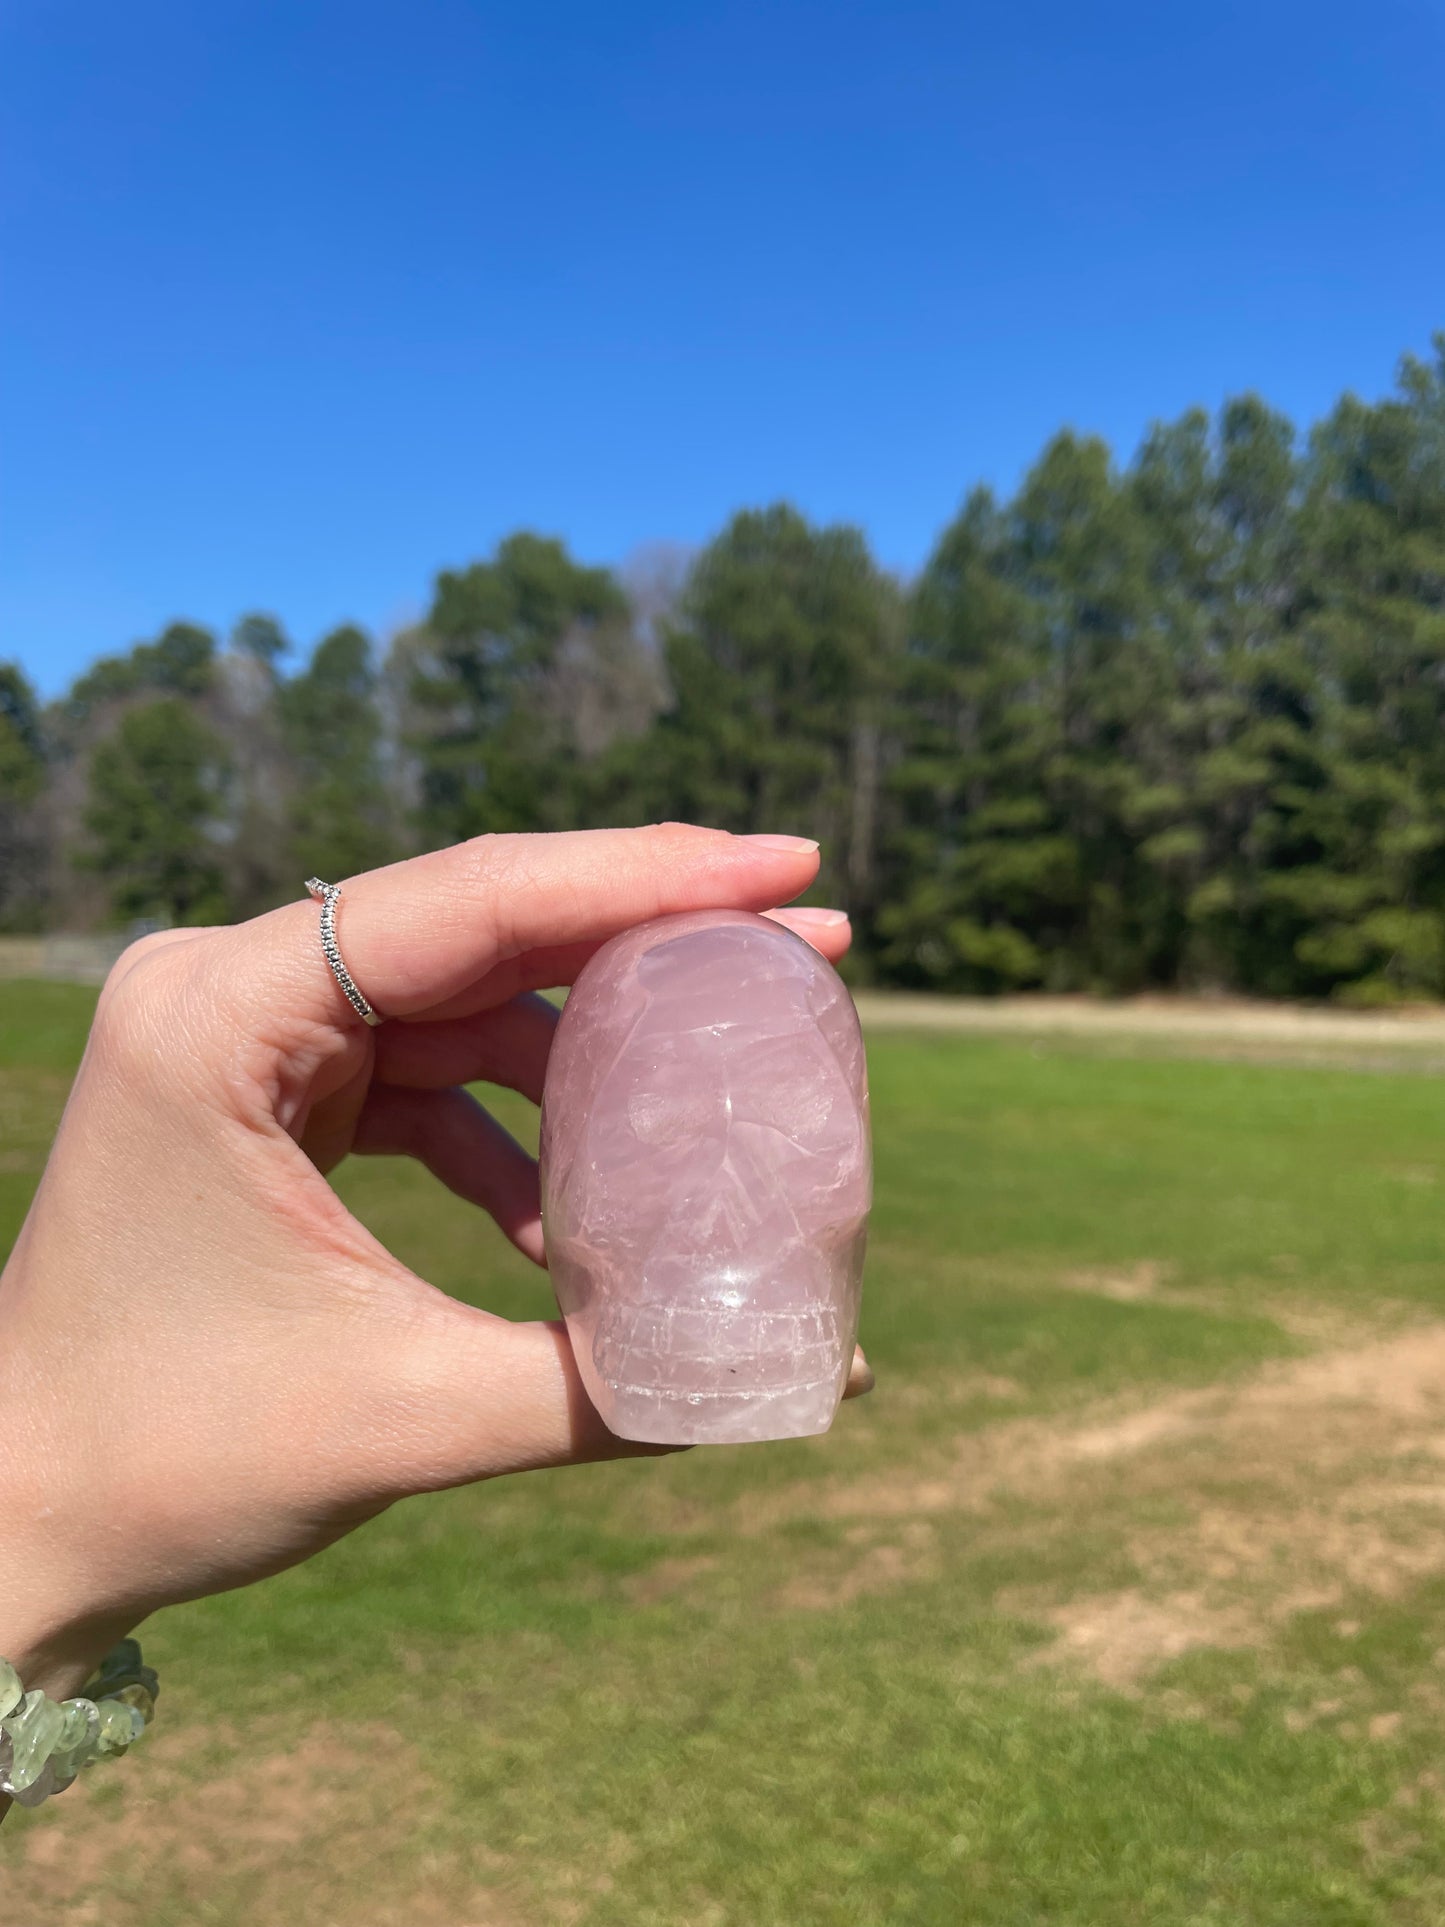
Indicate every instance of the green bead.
{"type": "Point", "coordinates": [40, 1788]}
{"type": "Point", "coordinates": [123, 1657]}
{"type": "Point", "coordinates": [112, 1685]}
{"type": "Point", "coordinates": [82, 1722]}
{"type": "Point", "coordinates": [120, 1725]}
{"type": "Point", "coordinates": [137, 1696]}
{"type": "Point", "coordinates": [33, 1732]}
{"type": "Point", "coordinates": [43, 1746]}
{"type": "Point", "coordinates": [122, 1667]}
{"type": "Point", "coordinates": [77, 1740]}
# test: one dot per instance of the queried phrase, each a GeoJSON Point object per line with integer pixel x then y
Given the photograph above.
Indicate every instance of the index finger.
{"type": "Point", "coordinates": [421, 934]}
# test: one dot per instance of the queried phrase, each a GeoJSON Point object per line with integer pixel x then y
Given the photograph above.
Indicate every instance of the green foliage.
{"type": "Point", "coordinates": [22, 785]}
{"type": "Point", "coordinates": [262, 638]}
{"type": "Point", "coordinates": [780, 665]}
{"type": "Point", "coordinates": [340, 815]}
{"type": "Point", "coordinates": [153, 813]}
{"type": "Point", "coordinates": [1186, 725]}
{"type": "Point", "coordinates": [181, 662]}
{"type": "Point", "coordinates": [498, 738]}
{"type": "Point", "coordinates": [1179, 724]}
{"type": "Point", "coordinates": [22, 758]}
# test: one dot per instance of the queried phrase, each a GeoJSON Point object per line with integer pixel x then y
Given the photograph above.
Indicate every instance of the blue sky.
{"type": "Point", "coordinates": [304, 300]}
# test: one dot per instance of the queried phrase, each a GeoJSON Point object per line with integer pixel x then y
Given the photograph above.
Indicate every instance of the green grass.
{"type": "Point", "coordinates": [819, 1684]}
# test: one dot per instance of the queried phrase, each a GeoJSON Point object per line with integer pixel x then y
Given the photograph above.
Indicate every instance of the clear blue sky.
{"type": "Point", "coordinates": [303, 300]}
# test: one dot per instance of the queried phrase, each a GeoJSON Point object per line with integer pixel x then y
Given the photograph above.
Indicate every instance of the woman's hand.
{"type": "Point", "coordinates": [208, 1369]}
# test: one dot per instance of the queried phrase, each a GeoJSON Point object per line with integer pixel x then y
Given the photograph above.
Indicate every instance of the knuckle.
{"type": "Point", "coordinates": [494, 861]}
{"type": "Point", "coordinates": [689, 848]}
{"type": "Point", "coordinates": [137, 1016]}
{"type": "Point", "coordinates": [138, 950]}
{"type": "Point", "coordinates": [686, 840]}
{"type": "Point", "coordinates": [504, 882]}
{"type": "Point", "coordinates": [126, 964]}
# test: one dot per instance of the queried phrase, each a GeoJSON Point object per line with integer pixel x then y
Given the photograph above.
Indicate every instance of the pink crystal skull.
{"type": "Point", "coordinates": [706, 1180]}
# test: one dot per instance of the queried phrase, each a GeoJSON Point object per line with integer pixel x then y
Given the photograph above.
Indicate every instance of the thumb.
{"type": "Point", "coordinates": [473, 1396]}
{"type": "Point", "coordinates": [480, 1396]}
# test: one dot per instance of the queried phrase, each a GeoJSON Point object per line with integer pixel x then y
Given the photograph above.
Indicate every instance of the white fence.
{"type": "Point", "coordinates": [77, 960]}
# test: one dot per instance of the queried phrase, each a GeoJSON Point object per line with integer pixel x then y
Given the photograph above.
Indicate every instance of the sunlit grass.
{"type": "Point", "coordinates": [822, 1682]}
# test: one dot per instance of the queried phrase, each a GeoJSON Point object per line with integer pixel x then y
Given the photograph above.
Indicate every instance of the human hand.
{"type": "Point", "coordinates": [209, 1369]}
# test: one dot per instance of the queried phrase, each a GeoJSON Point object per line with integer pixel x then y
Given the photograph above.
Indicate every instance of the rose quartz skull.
{"type": "Point", "coordinates": [706, 1179]}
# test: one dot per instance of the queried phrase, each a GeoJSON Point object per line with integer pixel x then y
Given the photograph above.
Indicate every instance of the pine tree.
{"type": "Point", "coordinates": [340, 816]}
{"type": "Point", "coordinates": [155, 811]}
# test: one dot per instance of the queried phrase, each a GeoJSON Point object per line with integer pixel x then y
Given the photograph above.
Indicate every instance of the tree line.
{"type": "Point", "coordinates": [1179, 724]}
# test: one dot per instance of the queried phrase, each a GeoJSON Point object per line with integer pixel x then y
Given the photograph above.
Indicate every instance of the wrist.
{"type": "Point", "coordinates": [56, 1664]}
{"type": "Point", "coordinates": [54, 1649]}
{"type": "Point", "coordinates": [56, 1624]}
{"type": "Point", "coordinates": [55, 1627]}
{"type": "Point", "coordinates": [45, 1742]}
{"type": "Point", "coordinates": [56, 1621]}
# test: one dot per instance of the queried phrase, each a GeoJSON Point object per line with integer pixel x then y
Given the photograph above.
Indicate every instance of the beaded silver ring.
{"type": "Point", "coordinates": [328, 895]}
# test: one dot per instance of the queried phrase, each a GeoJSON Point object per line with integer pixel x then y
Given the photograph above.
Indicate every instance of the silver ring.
{"type": "Point", "coordinates": [328, 895]}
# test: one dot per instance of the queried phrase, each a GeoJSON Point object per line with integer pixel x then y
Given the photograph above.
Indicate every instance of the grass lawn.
{"type": "Point", "coordinates": [1121, 1601]}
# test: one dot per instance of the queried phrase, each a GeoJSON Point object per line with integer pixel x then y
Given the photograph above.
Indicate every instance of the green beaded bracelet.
{"type": "Point", "coordinates": [44, 1743]}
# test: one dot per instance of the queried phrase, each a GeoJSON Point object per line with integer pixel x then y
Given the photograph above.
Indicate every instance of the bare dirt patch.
{"type": "Point", "coordinates": [950, 1391]}
{"type": "Point", "coordinates": [1296, 1488]}
{"type": "Point", "coordinates": [1109, 1632]}
{"type": "Point", "coordinates": [1131, 1285]}
{"type": "Point", "coordinates": [1202, 1017]}
{"type": "Point", "coordinates": [1226, 1029]}
{"type": "Point", "coordinates": [1148, 1282]}
{"type": "Point", "coordinates": [1381, 1393]}
{"type": "Point", "coordinates": [314, 1831]}
{"type": "Point", "coordinates": [668, 1578]}
{"type": "Point", "coordinates": [870, 1565]}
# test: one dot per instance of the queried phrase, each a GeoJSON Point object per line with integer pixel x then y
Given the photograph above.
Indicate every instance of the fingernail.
{"type": "Point", "coordinates": [860, 1375]}
{"type": "Point", "coordinates": [792, 845]}
{"type": "Point", "coordinates": [821, 919]}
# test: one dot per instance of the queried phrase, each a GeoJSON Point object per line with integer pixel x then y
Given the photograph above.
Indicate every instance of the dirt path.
{"type": "Point", "coordinates": [1224, 1019]}
{"type": "Point", "coordinates": [1302, 1485]}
